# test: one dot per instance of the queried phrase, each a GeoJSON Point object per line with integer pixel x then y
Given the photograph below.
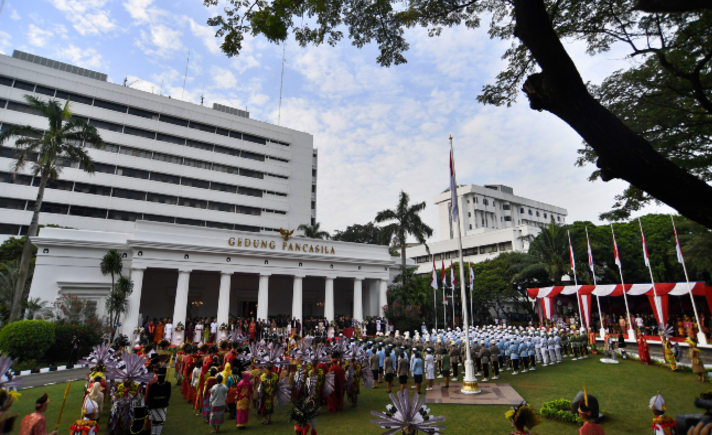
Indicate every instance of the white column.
{"type": "Point", "coordinates": [262, 296]}
{"type": "Point", "coordinates": [131, 319]}
{"type": "Point", "coordinates": [382, 297]}
{"type": "Point", "coordinates": [329, 298]}
{"type": "Point", "coordinates": [297, 298]}
{"type": "Point", "coordinates": [224, 302]}
{"type": "Point", "coordinates": [358, 299]}
{"type": "Point", "coordinates": [180, 307]}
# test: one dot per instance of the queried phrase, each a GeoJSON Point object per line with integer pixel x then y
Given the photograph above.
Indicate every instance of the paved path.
{"type": "Point", "coordinates": [41, 379]}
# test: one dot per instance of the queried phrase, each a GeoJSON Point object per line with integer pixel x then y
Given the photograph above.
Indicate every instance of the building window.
{"type": "Point", "coordinates": [142, 113]}
{"type": "Point", "coordinates": [197, 164]}
{"type": "Point", "coordinates": [544, 215]}
{"type": "Point", "coordinates": [129, 194]}
{"type": "Point", "coordinates": [219, 225]}
{"type": "Point", "coordinates": [470, 226]}
{"type": "Point", "coordinates": [170, 139]}
{"type": "Point", "coordinates": [248, 210]}
{"type": "Point", "coordinates": [253, 156]}
{"type": "Point", "coordinates": [136, 152]}
{"type": "Point", "coordinates": [165, 178]}
{"type": "Point", "coordinates": [530, 212]}
{"type": "Point", "coordinates": [174, 121]}
{"type": "Point", "coordinates": [192, 182]}
{"type": "Point", "coordinates": [226, 150]}
{"type": "Point", "coordinates": [508, 218]}
{"type": "Point", "coordinates": [250, 192]}
{"type": "Point", "coordinates": [469, 214]}
{"type": "Point", "coordinates": [14, 204]}
{"type": "Point", "coordinates": [226, 169]}
{"type": "Point", "coordinates": [506, 207]}
{"type": "Point", "coordinates": [201, 127]}
{"type": "Point", "coordinates": [124, 216]}
{"type": "Point", "coordinates": [168, 158]}
{"type": "Point", "coordinates": [193, 222]}
{"type": "Point", "coordinates": [537, 214]}
{"type": "Point", "coordinates": [558, 218]}
{"type": "Point", "coordinates": [44, 91]}
{"type": "Point", "coordinates": [485, 202]}
{"type": "Point", "coordinates": [110, 106]}
{"type": "Point", "coordinates": [219, 206]}
{"type": "Point", "coordinates": [252, 174]}
{"type": "Point", "coordinates": [157, 218]}
{"type": "Point", "coordinates": [92, 189]}
{"type": "Point", "coordinates": [194, 203]}
{"type": "Point", "coordinates": [162, 199]}
{"type": "Point", "coordinates": [254, 139]}
{"type": "Point", "coordinates": [130, 172]}
{"type": "Point", "coordinates": [139, 132]}
{"type": "Point", "coordinates": [199, 145]}
{"type": "Point", "coordinates": [223, 187]}
{"type": "Point", "coordinates": [106, 169]}
{"type": "Point", "coordinates": [88, 212]}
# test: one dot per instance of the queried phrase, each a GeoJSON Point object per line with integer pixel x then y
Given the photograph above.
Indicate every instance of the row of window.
{"type": "Point", "coordinates": [116, 192]}
{"type": "Point", "coordinates": [102, 213]}
{"type": "Point", "coordinates": [485, 249]}
{"type": "Point", "coordinates": [485, 201]}
{"type": "Point", "coordinates": [24, 108]}
{"type": "Point", "coordinates": [121, 108]}
{"type": "Point", "coordinates": [157, 176]}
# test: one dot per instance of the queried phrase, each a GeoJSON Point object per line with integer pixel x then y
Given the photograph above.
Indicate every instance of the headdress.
{"type": "Point", "coordinates": [691, 341]}
{"type": "Point", "coordinates": [523, 416]}
{"type": "Point", "coordinates": [404, 414]}
{"type": "Point", "coordinates": [101, 357]}
{"type": "Point", "coordinates": [583, 407]}
{"type": "Point", "coordinates": [133, 368]}
{"type": "Point", "coordinates": [89, 406]}
{"type": "Point", "coordinates": [657, 403]}
{"type": "Point", "coordinates": [7, 380]}
{"type": "Point", "coordinates": [41, 401]}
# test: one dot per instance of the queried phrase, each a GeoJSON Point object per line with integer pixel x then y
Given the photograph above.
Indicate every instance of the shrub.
{"type": "Point", "coordinates": [26, 339]}
{"type": "Point", "coordinates": [88, 336]}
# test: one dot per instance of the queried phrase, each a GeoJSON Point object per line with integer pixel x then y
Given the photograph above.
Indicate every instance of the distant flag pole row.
{"type": "Point", "coordinates": [472, 289]}
{"type": "Point", "coordinates": [434, 285]}
{"type": "Point", "coordinates": [681, 259]}
{"type": "Point", "coordinates": [617, 259]}
{"type": "Point", "coordinates": [646, 257]}
{"type": "Point", "coordinates": [602, 331]}
{"type": "Point", "coordinates": [573, 268]}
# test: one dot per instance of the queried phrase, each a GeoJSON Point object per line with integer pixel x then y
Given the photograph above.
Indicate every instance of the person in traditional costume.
{"type": "Point", "coordinates": [158, 394]}
{"type": "Point", "coordinates": [35, 424]}
{"type": "Point", "coordinates": [698, 367]}
{"type": "Point", "coordinates": [354, 388]}
{"type": "Point", "coordinates": [88, 424]}
{"type": "Point", "coordinates": [429, 369]}
{"type": "Point", "coordinates": [584, 412]}
{"type": "Point", "coordinates": [268, 389]}
{"type": "Point", "coordinates": [523, 418]}
{"type": "Point", "coordinates": [131, 374]}
{"type": "Point", "coordinates": [244, 393]}
{"type": "Point", "coordinates": [662, 424]}
{"type": "Point", "coordinates": [207, 387]}
{"type": "Point", "coordinates": [218, 396]}
{"type": "Point", "coordinates": [8, 394]}
{"type": "Point", "coordinates": [336, 398]}
{"type": "Point", "coordinates": [668, 352]}
{"type": "Point", "coordinates": [231, 384]}
{"type": "Point", "coordinates": [96, 394]}
{"type": "Point", "coordinates": [643, 349]}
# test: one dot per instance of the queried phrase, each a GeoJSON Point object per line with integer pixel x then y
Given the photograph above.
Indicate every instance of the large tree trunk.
{"type": "Point", "coordinates": [27, 250]}
{"type": "Point", "coordinates": [623, 154]}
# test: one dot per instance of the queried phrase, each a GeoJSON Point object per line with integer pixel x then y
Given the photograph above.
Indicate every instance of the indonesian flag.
{"type": "Point", "coordinates": [616, 254]}
{"type": "Point", "coordinates": [443, 278]}
{"type": "Point", "coordinates": [434, 280]}
{"type": "Point", "coordinates": [452, 275]}
{"type": "Point", "coordinates": [590, 253]}
{"type": "Point", "coordinates": [453, 190]}
{"type": "Point", "coordinates": [646, 257]}
{"type": "Point", "coordinates": [678, 247]}
{"type": "Point", "coordinates": [571, 254]}
{"type": "Point", "coordinates": [472, 277]}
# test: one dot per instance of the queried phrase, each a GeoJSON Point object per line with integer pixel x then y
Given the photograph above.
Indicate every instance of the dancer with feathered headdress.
{"type": "Point", "coordinates": [523, 418]}
{"type": "Point", "coordinates": [8, 395]}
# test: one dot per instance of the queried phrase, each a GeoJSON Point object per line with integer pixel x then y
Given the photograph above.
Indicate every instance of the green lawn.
{"type": "Point", "coordinates": [623, 392]}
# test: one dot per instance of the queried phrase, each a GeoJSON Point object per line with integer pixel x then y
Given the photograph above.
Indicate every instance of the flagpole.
{"type": "Point", "coordinates": [631, 335]}
{"type": "Point", "coordinates": [472, 292]}
{"type": "Point", "coordinates": [652, 280]}
{"type": "Point", "coordinates": [601, 332]}
{"type": "Point", "coordinates": [469, 384]}
{"type": "Point", "coordinates": [452, 282]}
{"type": "Point", "coordinates": [573, 267]}
{"type": "Point", "coordinates": [435, 290]}
{"type": "Point", "coordinates": [700, 335]}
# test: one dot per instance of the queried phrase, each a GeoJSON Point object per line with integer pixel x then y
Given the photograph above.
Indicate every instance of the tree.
{"type": "Point", "coordinates": [548, 254]}
{"type": "Point", "coordinates": [369, 233]}
{"type": "Point", "coordinates": [9, 273]}
{"type": "Point", "coordinates": [111, 264]}
{"type": "Point", "coordinates": [32, 306]}
{"type": "Point", "coordinates": [407, 223]}
{"type": "Point", "coordinates": [313, 231]}
{"type": "Point", "coordinates": [537, 61]}
{"type": "Point", "coordinates": [64, 140]}
{"type": "Point", "coordinates": [118, 302]}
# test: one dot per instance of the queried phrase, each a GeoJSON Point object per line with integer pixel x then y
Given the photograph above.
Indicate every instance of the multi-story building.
{"type": "Point", "coordinates": [165, 160]}
{"type": "Point", "coordinates": [494, 221]}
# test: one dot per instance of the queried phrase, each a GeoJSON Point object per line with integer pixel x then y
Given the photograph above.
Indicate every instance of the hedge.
{"type": "Point", "coordinates": [88, 336]}
{"type": "Point", "coordinates": [558, 410]}
{"type": "Point", "coordinates": [27, 339]}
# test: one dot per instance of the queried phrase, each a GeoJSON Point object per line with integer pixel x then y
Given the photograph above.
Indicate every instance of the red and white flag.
{"type": "Point", "coordinates": [452, 275]}
{"type": "Point", "coordinates": [571, 254]}
{"type": "Point", "coordinates": [434, 280]}
{"type": "Point", "coordinates": [453, 189]}
{"type": "Point", "coordinates": [472, 277]}
{"type": "Point", "coordinates": [678, 247]}
{"type": "Point", "coordinates": [646, 257]}
{"type": "Point", "coordinates": [590, 253]}
{"type": "Point", "coordinates": [443, 272]}
{"type": "Point", "coordinates": [616, 254]}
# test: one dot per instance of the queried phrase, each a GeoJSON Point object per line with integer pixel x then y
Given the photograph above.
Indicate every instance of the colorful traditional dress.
{"type": "Point", "coordinates": [697, 367]}
{"type": "Point", "coordinates": [589, 428]}
{"type": "Point", "coordinates": [244, 392]}
{"type": "Point", "coordinates": [253, 329]}
{"type": "Point", "coordinates": [336, 399]}
{"type": "Point", "coordinates": [669, 355]}
{"type": "Point", "coordinates": [33, 424]}
{"type": "Point", "coordinates": [662, 425]}
{"type": "Point", "coordinates": [643, 351]}
{"type": "Point", "coordinates": [268, 384]}
{"type": "Point", "coordinates": [209, 383]}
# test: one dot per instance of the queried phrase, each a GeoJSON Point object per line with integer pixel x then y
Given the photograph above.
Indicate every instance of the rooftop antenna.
{"type": "Point", "coordinates": [161, 87]}
{"type": "Point", "coordinates": [126, 79]}
{"type": "Point", "coordinates": [202, 95]}
{"type": "Point", "coordinates": [186, 74]}
{"type": "Point", "coordinates": [281, 81]}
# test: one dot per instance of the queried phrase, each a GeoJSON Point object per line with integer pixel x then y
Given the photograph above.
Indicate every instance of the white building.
{"type": "Point", "coordinates": [493, 218]}
{"type": "Point", "coordinates": [165, 161]}
{"type": "Point", "coordinates": [186, 271]}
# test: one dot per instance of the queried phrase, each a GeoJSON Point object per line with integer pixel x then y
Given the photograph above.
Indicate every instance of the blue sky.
{"type": "Point", "coordinates": [378, 130]}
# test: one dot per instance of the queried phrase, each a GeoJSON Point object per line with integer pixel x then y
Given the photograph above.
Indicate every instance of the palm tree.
{"type": "Point", "coordinates": [64, 140]}
{"type": "Point", "coordinates": [33, 305]}
{"type": "Point", "coordinates": [9, 273]}
{"type": "Point", "coordinates": [118, 302]}
{"type": "Point", "coordinates": [111, 264]}
{"type": "Point", "coordinates": [407, 223]}
{"type": "Point", "coordinates": [313, 231]}
{"type": "Point", "coordinates": [548, 254]}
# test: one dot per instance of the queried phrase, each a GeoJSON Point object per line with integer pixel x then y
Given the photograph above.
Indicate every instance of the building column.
{"type": "Point", "coordinates": [358, 299]}
{"type": "Point", "coordinates": [180, 307]}
{"type": "Point", "coordinates": [297, 298]}
{"type": "Point", "coordinates": [262, 296]}
{"type": "Point", "coordinates": [131, 319]}
{"type": "Point", "coordinates": [224, 302]}
{"type": "Point", "coordinates": [382, 297]}
{"type": "Point", "coordinates": [329, 298]}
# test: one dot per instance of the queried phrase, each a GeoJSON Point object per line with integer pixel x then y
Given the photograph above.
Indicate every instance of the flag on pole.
{"type": "Point", "coordinates": [646, 257]}
{"type": "Point", "coordinates": [453, 190]}
{"type": "Point", "coordinates": [434, 280]}
{"type": "Point", "coordinates": [571, 254]}
{"type": "Point", "coordinates": [616, 254]}
{"type": "Point", "coordinates": [452, 275]}
{"type": "Point", "coordinates": [590, 253]}
{"type": "Point", "coordinates": [472, 277]}
{"type": "Point", "coordinates": [443, 277]}
{"type": "Point", "coordinates": [678, 247]}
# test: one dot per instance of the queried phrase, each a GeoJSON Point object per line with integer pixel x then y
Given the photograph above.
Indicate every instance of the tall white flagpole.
{"type": "Point", "coordinates": [469, 385]}
{"type": "Point", "coordinates": [434, 284]}
{"type": "Point", "coordinates": [602, 331]}
{"type": "Point", "coordinates": [701, 338]}
{"type": "Point", "coordinates": [472, 290]}
{"type": "Point", "coordinates": [658, 305]}
{"type": "Point", "coordinates": [631, 332]}
{"type": "Point", "coordinates": [573, 267]}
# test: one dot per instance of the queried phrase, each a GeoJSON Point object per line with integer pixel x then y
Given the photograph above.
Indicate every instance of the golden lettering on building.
{"type": "Point", "coordinates": [286, 246]}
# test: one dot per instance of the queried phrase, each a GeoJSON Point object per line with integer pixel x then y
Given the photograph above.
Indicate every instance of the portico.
{"type": "Point", "coordinates": [181, 271]}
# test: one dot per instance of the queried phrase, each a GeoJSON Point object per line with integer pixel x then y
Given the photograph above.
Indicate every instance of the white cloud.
{"type": "Point", "coordinates": [223, 78]}
{"type": "Point", "coordinates": [13, 13]}
{"type": "Point", "coordinates": [83, 57]}
{"type": "Point", "coordinates": [88, 16]}
{"type": "Point", "coordinates": [206, 35]}
{"type": "Point", "coordinates": [161, 41]}
{"type": "Point", "coordinates": [141, 10]}
{"type": "Point", "coordinates": [5, 43]}
{"type": "Point", "coordinates": [37, 36]}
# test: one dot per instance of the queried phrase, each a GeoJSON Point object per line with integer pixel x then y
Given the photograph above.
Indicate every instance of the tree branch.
{"type": "Point", "coordinates": [672, 5]}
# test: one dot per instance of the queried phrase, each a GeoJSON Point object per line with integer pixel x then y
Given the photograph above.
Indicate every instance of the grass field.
{"type": "Point", "coordinates": [623, 392]}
